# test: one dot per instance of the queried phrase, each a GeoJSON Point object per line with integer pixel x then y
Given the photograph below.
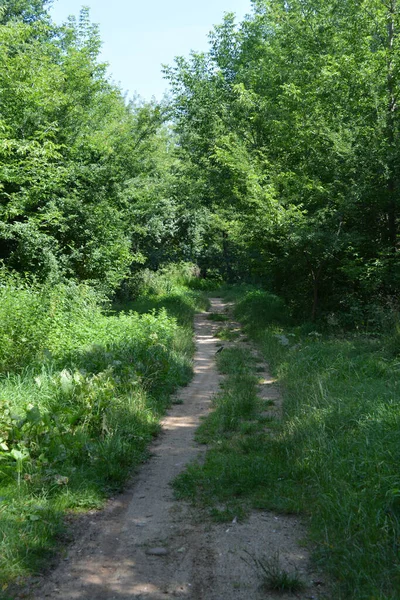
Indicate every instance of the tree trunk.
{"type": "Point", "coordinates": [315, 277]}
{"type": "Point", "coordinates": [392, 185]}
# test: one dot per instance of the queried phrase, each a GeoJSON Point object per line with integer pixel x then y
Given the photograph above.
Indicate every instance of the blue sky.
{"type": "Point", "coordinates": [140, 35]}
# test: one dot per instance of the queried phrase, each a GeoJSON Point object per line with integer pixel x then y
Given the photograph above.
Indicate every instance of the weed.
{"type": "Point", "coordinates": [217, 317]}
{"type": "Point", "coordinates": [275, 577]}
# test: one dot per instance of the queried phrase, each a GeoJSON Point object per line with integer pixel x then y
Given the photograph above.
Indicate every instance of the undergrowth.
{"type": "Point", "coordinates": [82, 388]}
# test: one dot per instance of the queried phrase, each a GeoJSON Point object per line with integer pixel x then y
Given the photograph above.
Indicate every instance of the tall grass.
{"type": "Point", "coordinates": [82, 388]}
{"type": "Point", "coordinates": [339, 447]}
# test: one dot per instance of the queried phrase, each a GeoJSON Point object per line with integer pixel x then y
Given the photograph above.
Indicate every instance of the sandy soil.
{"type": "Point", "coordinates": [146, 545]}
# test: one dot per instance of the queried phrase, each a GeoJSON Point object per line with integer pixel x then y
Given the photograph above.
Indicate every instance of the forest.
{"type": "Point", "coordinates": [271, 172]}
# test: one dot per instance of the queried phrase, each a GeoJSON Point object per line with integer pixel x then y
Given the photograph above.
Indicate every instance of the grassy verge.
{"type": "Point", "coordinates": [341, 435]}
{"type": "Point", "coordinates": [81, 394]}
{"type": "Point", "coordinates": [334, 457]}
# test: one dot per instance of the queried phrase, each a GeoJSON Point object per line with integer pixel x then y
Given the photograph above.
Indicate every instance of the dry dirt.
{"type": "Point", "coordinates": [146, 545]}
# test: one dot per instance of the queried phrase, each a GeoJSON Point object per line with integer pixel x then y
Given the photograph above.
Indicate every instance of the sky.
{"type": "Point", "coordinates": [141, 35]}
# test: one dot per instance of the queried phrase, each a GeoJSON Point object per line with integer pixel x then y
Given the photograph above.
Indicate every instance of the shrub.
{"type": "Point", "coordinates": [260, 309]}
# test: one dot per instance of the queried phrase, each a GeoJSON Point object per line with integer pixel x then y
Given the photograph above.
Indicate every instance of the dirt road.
{"type": "Point", "coordinates": [148, 546]}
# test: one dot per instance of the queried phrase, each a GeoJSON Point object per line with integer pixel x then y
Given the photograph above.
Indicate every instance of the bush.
{"type": "Point", "coordinates": [167, 280]}
{"type": "Point", "coordinates": [39, 322]}
{"type": "Point", "coordinates": [259, 309]}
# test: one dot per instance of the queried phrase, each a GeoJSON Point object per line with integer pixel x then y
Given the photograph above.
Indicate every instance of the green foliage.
{"type": "Point", "coordinates": [40, 323]}
{"type": "Point", "coordinates": [171, 288]}
{"type": "Point", "coordinates": [53, 93]}
{"type": "Point", "coordinates": [81, 394]}
{"type": "Point", "coordinates": [27, 10]}
{"type": "Point", "coordinates": [289, 139]}
{"type": "Point", "coordinates": [86, 180]}
{"type": "Point", "coordinates": [260, 309]}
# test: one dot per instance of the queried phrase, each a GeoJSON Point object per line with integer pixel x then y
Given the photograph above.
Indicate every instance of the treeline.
{"type": "Point", "coordinates": [85, 176]}
{"type": "Point", "coordinates": [274, 161]}
{"type": "Point", "coordinates": [289, 137]}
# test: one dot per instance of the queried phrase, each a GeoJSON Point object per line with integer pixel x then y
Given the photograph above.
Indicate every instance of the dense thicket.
{"type": "Point", "coordinates": [289, 134]}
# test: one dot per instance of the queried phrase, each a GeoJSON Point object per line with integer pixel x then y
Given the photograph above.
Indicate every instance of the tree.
{"type": "Point", "coordinates": [292, 116]}
{"type": "Point", "coordinates": [27, 10]}
{"type": "Point", "coordinates": [70, 148]}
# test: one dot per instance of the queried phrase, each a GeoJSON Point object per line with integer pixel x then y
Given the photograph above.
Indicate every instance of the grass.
{"type": "Point", "coordinates": [340, 433]}
{"type": "Point", "coordinates": [235, 471]}
{"type": "Point", "coordinates": [274, 577]}
{"type": "Point", "coordinates": [228, 334]}
{"type": "Point", "coordinates": [334, 457]}
{"type": "Point", "coordinates": [81, 395]}
{"type": "Point", "coordinates": [217, 317]}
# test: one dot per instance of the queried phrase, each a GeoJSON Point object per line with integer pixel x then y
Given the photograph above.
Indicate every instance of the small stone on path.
{"type": "Point", "coordinates": [157, 551]}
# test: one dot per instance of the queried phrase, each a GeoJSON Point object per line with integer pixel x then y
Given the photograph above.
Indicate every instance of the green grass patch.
{"type": "Point", "coordinates": [274, 577]}
{"type": "Point", "coordinates": [241, 462]}
{"type": "Point", "coordinates": [228, 334]}
{"type": "Point", "coordinates": [338, 449]}
{"type": "Point", "coordinates": [217, 317]}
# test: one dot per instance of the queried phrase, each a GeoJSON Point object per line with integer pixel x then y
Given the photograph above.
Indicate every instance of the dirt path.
{"type": "Point", "coordinates": [148, 546]}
